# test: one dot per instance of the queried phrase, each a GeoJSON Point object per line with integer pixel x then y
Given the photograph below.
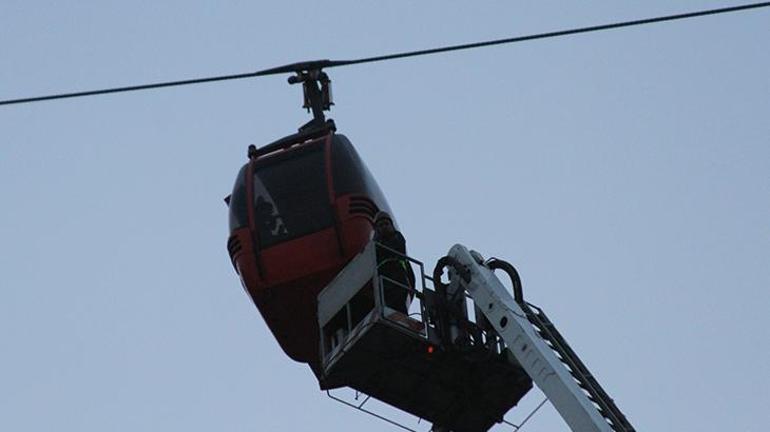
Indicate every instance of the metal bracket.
{"type": "Point", "coordinates": [317, 95]}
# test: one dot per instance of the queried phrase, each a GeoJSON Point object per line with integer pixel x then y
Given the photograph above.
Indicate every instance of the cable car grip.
{"type": "Point", "coordinates": [316, 90]}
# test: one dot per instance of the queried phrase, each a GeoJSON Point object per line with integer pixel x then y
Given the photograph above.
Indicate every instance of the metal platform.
{"type": "Point", "coordinates": [370, 346]}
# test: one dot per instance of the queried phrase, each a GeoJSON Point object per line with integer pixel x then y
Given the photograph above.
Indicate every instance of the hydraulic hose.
{"type": "Point", "coordinates": [448, 261]}
{"type": "Point", "coordinates": [508, 268]}
{"type": "Point", "coordinates": [447, 307]}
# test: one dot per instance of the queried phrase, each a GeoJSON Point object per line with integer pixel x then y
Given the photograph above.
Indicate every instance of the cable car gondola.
{"type": "Point", "coordinates": [301, 208]}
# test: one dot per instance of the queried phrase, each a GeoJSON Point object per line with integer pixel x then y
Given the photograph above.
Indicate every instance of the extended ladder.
{"type": "Point", "coordinates": [540, 349]}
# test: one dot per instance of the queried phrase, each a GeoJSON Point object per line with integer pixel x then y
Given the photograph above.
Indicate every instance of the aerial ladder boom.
{"type": "Point", "coordinates": [536, 344]}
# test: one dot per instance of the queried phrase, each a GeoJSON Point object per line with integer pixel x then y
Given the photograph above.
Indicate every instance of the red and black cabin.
{"type": "Point", "coordinates": [301, 208]}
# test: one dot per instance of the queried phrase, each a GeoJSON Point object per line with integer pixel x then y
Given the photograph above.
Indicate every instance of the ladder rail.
{"type": "Point", "coordinates": [549, 332]}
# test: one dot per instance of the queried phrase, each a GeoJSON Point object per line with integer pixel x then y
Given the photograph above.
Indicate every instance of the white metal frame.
{"type": "Point", "coordinates": [535, 356]}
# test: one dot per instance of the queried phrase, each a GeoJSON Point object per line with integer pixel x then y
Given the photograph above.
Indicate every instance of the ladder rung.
{"type": "Point", "coordinates": [579, 372]}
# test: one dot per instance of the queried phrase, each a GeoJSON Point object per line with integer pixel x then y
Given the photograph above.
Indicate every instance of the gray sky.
{"type": "Point", "coordinates": [624, 173]}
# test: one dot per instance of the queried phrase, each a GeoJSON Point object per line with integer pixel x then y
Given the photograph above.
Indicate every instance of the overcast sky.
{"type": "Point", "coordinates": [626, 174]}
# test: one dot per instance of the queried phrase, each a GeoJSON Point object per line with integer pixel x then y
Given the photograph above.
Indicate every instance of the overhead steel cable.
{"type": "Point", "coordinates": [556, 33]}
{"type": "Point", "coordinates": [128, 88]}
{"type": "Point", "coordinates": [319, 64]}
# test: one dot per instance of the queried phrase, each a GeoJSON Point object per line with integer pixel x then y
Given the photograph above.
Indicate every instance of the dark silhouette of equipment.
{"type": "Point", "coordinates": [466, 355]}
{"type": "Point", "coordinates": [435, 363]}
{"type": "Point", "coordinates": [339, 298]}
